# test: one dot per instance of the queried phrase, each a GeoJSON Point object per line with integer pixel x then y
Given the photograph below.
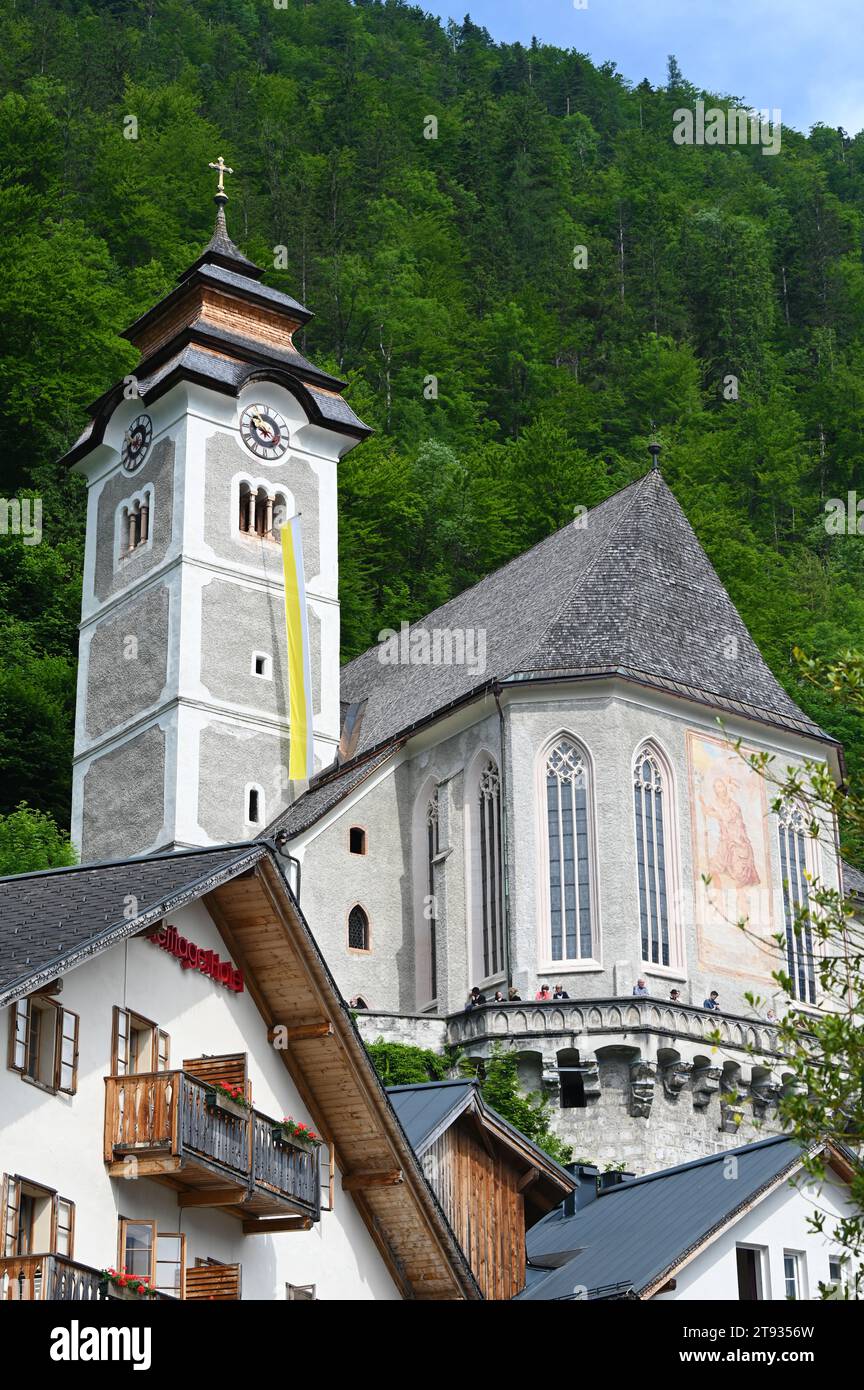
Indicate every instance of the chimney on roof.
{"type": "Point", "coordinates": [611, 1178]}
{"type": "Point", "coordinates": [585, 1190]}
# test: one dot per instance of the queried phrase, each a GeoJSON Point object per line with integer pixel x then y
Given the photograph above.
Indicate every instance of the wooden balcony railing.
{"type": "Point", "coordinates": [279, 1168]}
{"type": "Point", "coordinates": [160, 1125]}
{"type": "Point", "coordinates": [43, 1277]}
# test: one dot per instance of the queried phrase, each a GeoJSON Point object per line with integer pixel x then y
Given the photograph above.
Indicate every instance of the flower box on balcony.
{"type": "Point", "coordinates": [293, 1135]}
{"type": "Point", "coordinates": [131, 1296]}
{"type": "Point", "coordinates": [220, 1098]}
{"type": "Point", "coordinates": [133, 1288]}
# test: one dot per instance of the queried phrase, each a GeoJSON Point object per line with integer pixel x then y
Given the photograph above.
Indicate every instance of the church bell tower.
{"type": "Point", "coordinates": [226, 429]}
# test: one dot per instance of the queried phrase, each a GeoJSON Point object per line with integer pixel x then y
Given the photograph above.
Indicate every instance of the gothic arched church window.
{"type": "Point", "coordinates": [796, 902]}
{"type": "Point", "coordinates": [489, 867]}
{"type": "Point", "coordinates": [571, 894]}
{"type": "Point", "coordinates": [432, 847]}
{"type": "Point", "coordinates": [358, 929]}
{"type": "Point", "coordinates": [650, 801]}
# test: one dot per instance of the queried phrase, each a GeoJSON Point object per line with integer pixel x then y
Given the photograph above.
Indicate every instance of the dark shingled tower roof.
{"type": "Point", "coordinates": [208, 329]}
{"type": "Point", "coordinates": [629, 591]}
{"type": "Point", "coordinates": [221, 250]}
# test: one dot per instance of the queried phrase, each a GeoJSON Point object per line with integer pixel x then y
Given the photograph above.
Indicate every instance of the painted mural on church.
{"type": "Point", "coordinates": [729, 818]}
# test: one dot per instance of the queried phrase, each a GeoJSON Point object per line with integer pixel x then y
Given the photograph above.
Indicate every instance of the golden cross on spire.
{"type": "Point", "coordinates": [223, 170]}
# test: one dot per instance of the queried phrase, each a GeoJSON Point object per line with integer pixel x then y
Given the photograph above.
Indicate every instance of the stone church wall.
{"type": "Point", "coordinates": [611, 729]}
{"type": "Point", "coordinates": [384, 881]}
{"type": "Point", "coordinates": [334, 880]}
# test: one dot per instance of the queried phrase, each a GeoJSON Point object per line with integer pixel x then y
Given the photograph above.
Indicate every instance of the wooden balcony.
{"type": "Point", "coordinates": [40, 1277]}
{"type": "Point", "coordinates": [159, 1125]}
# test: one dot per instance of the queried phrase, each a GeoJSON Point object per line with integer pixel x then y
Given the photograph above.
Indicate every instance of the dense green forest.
{"type": "Point", "coordinates": [451, 258]}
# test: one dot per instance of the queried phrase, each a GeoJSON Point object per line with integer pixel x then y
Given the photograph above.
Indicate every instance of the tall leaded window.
{"type": "Point", "coordinates": [796, 902]}
{"type": "Point", "coordinates": [489, 828]}
{"type": "Point", "coordinates": [430, 913]}
{"type": "Point", "coordinates": [650, 802]}
{"type": "Point", "coordinates": [570, 890]}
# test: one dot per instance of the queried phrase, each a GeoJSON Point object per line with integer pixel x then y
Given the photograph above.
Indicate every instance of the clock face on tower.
{"type": "Point", "coordinates": [136, 443]}
{"type": "Point", "coordinates": [264, 432]}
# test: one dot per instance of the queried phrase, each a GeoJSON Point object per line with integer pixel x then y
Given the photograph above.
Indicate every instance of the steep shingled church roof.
{"type": "Point", "coordinates": [628, 592]}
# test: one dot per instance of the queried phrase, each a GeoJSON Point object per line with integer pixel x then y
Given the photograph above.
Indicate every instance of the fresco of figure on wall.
{"type": "Point", "coordinates": [733, 864]}
{"type": "Point", "coordinates": [730, 849]}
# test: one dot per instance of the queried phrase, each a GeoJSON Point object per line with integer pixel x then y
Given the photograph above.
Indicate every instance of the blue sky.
{"type": "Point", "coordinates": [803, 56]}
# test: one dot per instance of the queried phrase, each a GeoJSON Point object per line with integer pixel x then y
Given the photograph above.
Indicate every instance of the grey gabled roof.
{"type": "Point", "coordinates": [426, 1109]}
{"type": "Point", "coordinates": [323, 795]}
{"type": "Point", "coordinates": [629, 592]}
{"type": "Point", "coordinates": [635, 1232]}
{"type": "Point", "coordinates": [52, 920]}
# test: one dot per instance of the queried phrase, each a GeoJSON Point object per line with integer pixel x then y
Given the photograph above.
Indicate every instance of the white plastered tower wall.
{"type": "Point", "coordinates": [172, 726]}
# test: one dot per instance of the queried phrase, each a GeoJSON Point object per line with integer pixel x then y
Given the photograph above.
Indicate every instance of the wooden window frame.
{"type": "Point", "coordinates": [124, 1222]}
{"type": "Point", "coordinates": [15, 1182]}
{"type": "Point", "coordinates": [55, 1226]}
{"type": "Point", "coordinates": [160, 1042]}
{"type": "Point", "coordinates": [171, 1235]}
{"type": "Point", "coordinates": [23, 1009]}
{"type": "Point", "coordinates": [122, 1225]}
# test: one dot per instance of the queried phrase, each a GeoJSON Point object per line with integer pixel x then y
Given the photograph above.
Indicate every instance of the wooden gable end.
{"type": "Point", "coordinates": [479, 1185]}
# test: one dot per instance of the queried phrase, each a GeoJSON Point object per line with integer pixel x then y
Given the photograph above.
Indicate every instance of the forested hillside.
{"type": "Point", "coordinates": [449, 258]}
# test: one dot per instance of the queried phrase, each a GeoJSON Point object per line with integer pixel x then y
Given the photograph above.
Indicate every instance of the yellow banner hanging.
{"type": "Point", "coordinates": [300, 761]}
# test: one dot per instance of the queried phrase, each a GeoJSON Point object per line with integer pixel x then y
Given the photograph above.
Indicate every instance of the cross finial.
{"type": "Point", "coordinates": [221, 196]}
{"type": "Point", "coordinates": [654, 448]}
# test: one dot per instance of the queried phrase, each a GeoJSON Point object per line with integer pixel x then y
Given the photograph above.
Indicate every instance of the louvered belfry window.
{"type": "Point", "coordinates": [570, 870]}
{"type": "Point", "coordinates": [796, 902]}
{"type": "Point", "coordinates": [649, 795]}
